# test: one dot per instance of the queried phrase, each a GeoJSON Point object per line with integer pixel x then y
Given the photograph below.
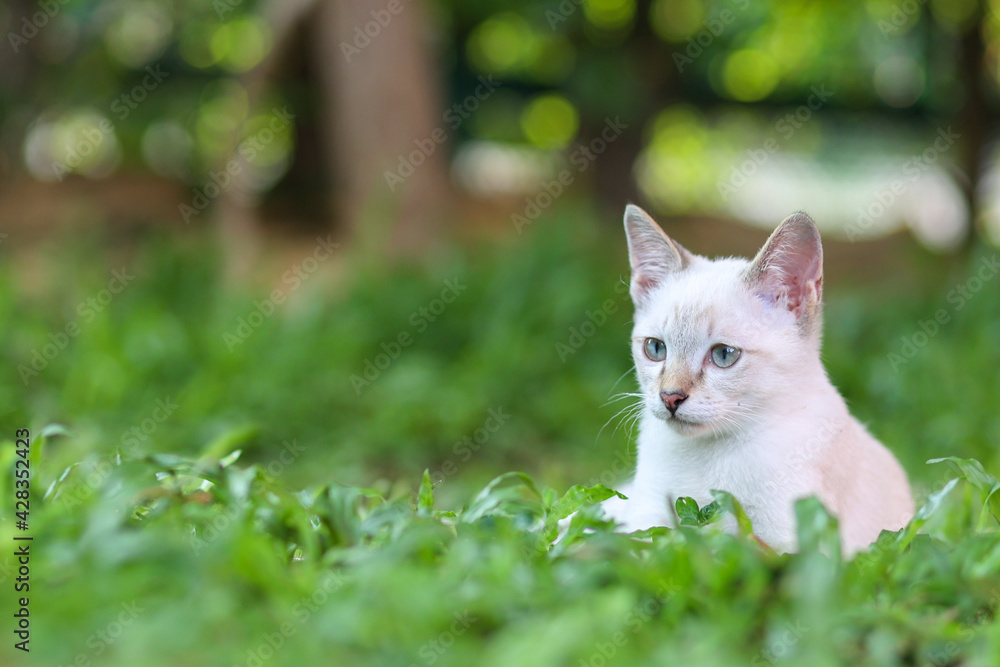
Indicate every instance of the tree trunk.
{"type": "Point", "coordinates": [383, 104]}
{"type": "Point", "coordinates": [972, 121]}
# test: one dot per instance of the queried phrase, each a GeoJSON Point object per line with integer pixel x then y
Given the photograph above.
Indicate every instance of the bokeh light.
{"type": "Point", "coordinates": [899, 81]}
{"type": "Point", "coordinates": [81, 141]}
{"type": "Point", "coordinates": [612, 15]}
{"type": "Point", "coordinates": [676, 20]}
{"type": "Point", "coordinates": [196, 43]}
{"type": "Point", "coordinates": [508, 45]}
{"type": "Point", "coordinates": [749, 75]}
{"type": "Point", "coordinates": [224, 108]}
{"type": "Point", "coordinates": [139, 33]}
{"type": "Point", "coordinates": [550, 121]}
{"type": "Point", "coordinates": [241, 44]}
{"type": "Point", "coordinates": [675, 170]}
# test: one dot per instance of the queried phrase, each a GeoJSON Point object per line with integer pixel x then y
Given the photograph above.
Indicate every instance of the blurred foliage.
{"type": "Point", "coordinates": [166, 559]}
{"type": "Point", "coordinates": [704, 78]}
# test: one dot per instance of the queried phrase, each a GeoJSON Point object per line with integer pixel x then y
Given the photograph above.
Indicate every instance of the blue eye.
{"type": "Point", "coordinates": [724, 356]}
{"type": "Point", "coordinates": [655, 349]}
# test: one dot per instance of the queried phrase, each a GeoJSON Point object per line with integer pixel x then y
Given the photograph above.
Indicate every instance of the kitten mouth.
{"type": "Point", "coordinates": [681, 423]}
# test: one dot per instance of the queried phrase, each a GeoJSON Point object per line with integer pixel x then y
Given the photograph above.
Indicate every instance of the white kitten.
{"type": "Point", "coordinates": [735, 396]}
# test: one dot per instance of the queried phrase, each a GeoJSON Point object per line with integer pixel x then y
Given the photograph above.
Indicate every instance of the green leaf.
{"type": "Point", "coordinates": [687, 511]}
{"type": "Point", "coordinates": [239, 482]}
{"type": "Point", "coordinates": [171, 461]}
{"type": "Point", "coordinates": [647, 533]}
{"type": "Point", "coordinates": [816, 528]}
{"type": "Point", "coordinates": [39, 441]}
{"type": "Point", "coordinates": [55, 430]}
{"type": "Point", "coordinates": [494, 497]}
{"type": "Point", "coordinates": [223, 446]}
{"type": "Point", "coordinates": [729, 503]}
{"type": "Point", "coordinates": [991, 506]}
{"type": "Point", "coordinates": [930, 506]}
{"type": "Point", "coordinates": [973, 471]}
{"type": "Point", "coordinates": [580, 496]}
{"type": "Point", "coordinates": [230, 458]}
{"type": "Point", "coordinates": [425, 497]}
{"type": "Point", "coordinates": [710, 513]}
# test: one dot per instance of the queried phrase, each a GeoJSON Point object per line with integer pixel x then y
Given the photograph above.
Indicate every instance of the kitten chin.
{"type": "Point", "coordinates": [735, 397]}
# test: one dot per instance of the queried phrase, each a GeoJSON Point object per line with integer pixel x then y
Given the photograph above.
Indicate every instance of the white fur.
{"type": "Point", "coordinates": [771, 428]}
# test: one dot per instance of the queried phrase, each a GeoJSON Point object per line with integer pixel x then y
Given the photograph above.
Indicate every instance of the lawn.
{"type": "Point", "coordinates": [236, 476]}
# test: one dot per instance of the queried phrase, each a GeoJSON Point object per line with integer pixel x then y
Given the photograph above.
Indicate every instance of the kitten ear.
{"type": "Point", "coordinates": [652, 254]}
{"type": "Point", "coordinates": [788, 270]}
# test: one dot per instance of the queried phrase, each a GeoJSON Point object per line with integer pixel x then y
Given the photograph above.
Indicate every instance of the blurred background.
{"type": "Point", "coordinates": [361, 239]}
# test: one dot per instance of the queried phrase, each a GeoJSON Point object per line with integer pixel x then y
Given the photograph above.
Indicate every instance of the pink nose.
{"type": "Point", "coordinates": [672, 401]}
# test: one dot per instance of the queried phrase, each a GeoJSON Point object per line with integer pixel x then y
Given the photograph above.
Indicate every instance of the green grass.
{"type": "Point", "coordinates": [141, 509]}
{"type": "Point", "coordinates": [218, 564]}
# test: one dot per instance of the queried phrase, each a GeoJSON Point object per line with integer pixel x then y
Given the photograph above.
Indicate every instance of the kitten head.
{"type": "Point", "coordinates": [717, 343]}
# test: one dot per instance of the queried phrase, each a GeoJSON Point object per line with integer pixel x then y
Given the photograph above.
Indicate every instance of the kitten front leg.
{"type": "Point", "coordinates": [634, 512]}
{"type": "Point", "coordinates": [639, 511]}
{"type": "Point", "coordinates": [615, 508]}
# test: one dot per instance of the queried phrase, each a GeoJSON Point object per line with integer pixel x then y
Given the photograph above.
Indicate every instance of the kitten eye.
{"type": "Point", "coordinates": [655, 349]}
{"type": "Point", "coordinates": [724, 356]}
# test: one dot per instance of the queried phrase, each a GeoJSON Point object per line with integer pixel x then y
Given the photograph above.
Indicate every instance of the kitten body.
{"type": "Point", "coordinates": [769, 427]}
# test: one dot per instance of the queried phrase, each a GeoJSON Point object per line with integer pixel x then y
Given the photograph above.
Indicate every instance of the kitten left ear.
{"type": "Point", "coordinates": [652, 254]}
{"type": "Point", "coordinates": [788, 270]}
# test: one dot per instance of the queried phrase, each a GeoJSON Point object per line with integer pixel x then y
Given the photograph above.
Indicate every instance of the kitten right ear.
{"type": "Point", "coordinates": [788, 271]}
{"type": "Point", "coordinates": [651, 253]}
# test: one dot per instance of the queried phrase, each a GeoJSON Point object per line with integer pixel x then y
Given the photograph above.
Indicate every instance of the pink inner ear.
{"type": "Point", "coordinates": [791, 269]}
{"type": "Point", "coordinates": [795, 275]}
{"type": "Point", "coordinates": [643, 284]}
{"type": "Point", "coordinates": [652, 256]}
